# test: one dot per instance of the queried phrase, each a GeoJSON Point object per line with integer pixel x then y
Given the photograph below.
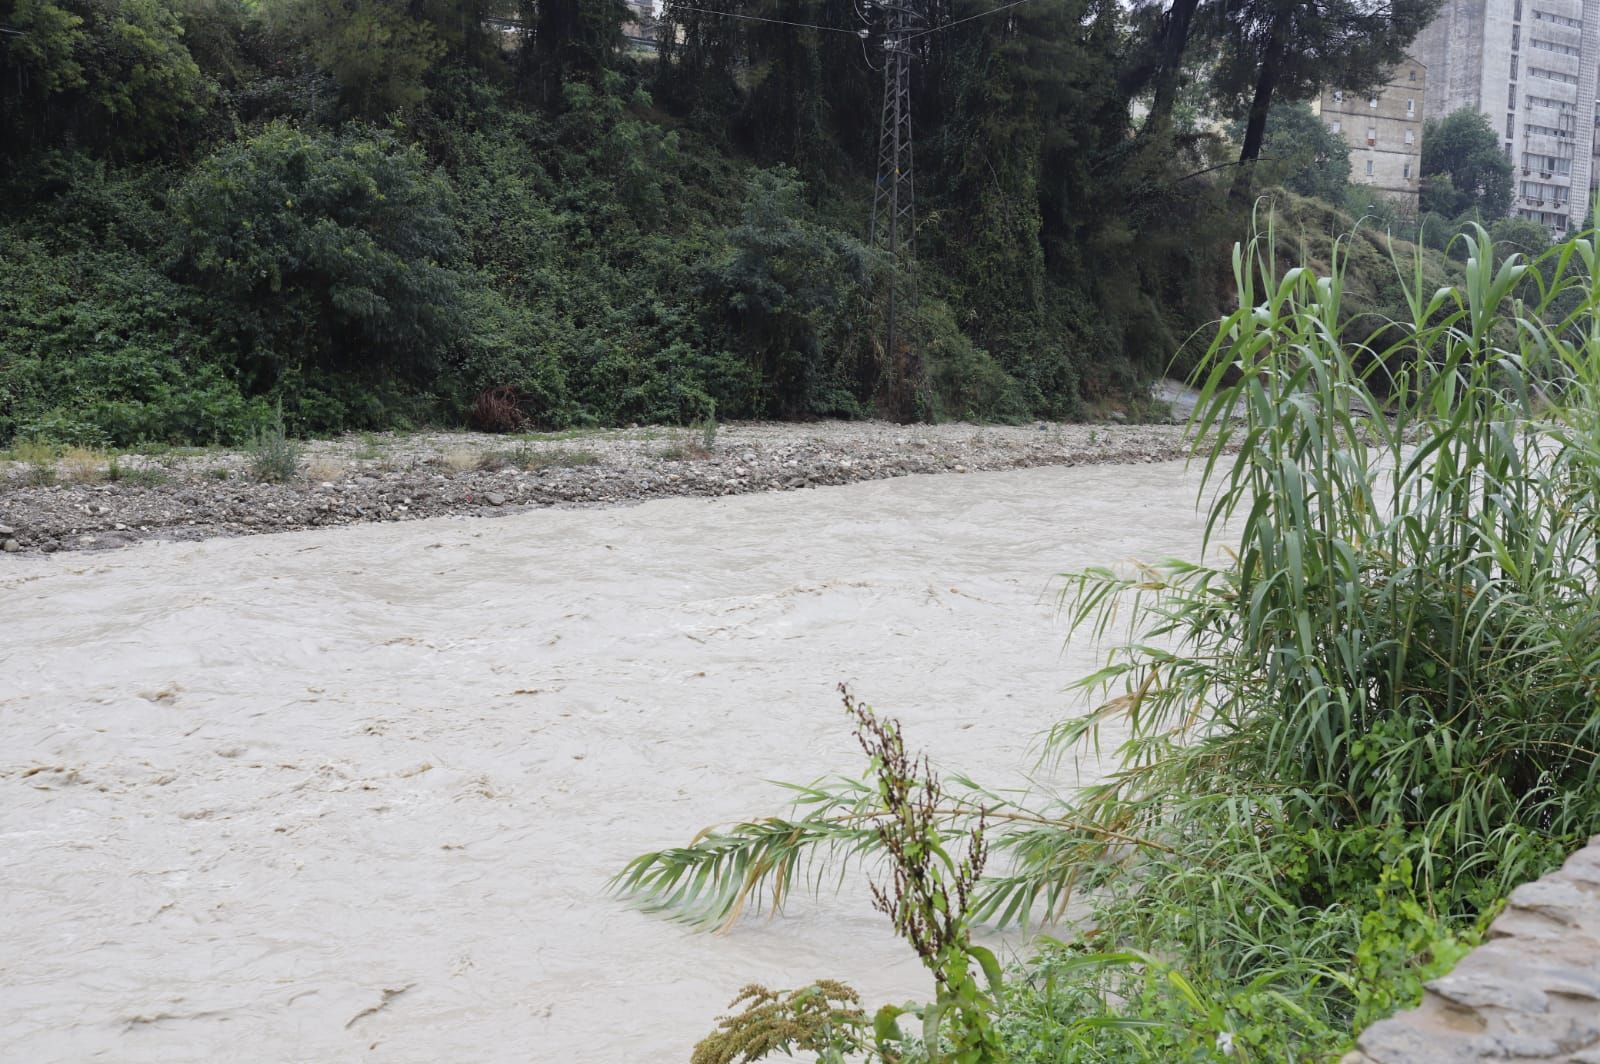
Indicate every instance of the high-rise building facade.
{"type": "Point", "coordinates": [1530, 67]}
{"type": "Point", "coordinates": [1384, 131]}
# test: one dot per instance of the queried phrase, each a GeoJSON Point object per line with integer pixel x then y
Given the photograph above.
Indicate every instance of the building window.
{"type": "Point", "coordinates": [1559, 20]}
{"type": "Point", "coordinates": [1411, 75]}
{"type": "Point", "coordinates": [1411, 136]}
{"type": "Point", "coordinates": [1411, 107]}
{"type": "Point", "coordinates": [1540, 193]}
{"type": "Point", "coordinates": [1511, 97]}
{"type": "Point", "coordinates": [1335, 127]}
{"type": "Point", "coordinates": [1517, 15]}
{"type": "Point", "coordinates": [1338, 96]}
{"type": "Point", "coordinates": [1372, 102]}
{"type": "Point", "coordinates": [1552, 75]}
{"type": "Point", "coordinates": [1516, 37]}
{"type": "Point", "coordinates": [1545, 164]}
{"type": "Point", "coordinates": [1551, 46]}
{"type": "Point", "coordinates": [1369, 167]}
{"type": "Point", "coordinates": [1406, 170]}
{"type": "Point", "coordinates": [1372, 135]}
{"type": "Point", "coordinates": [1513, 68]}
{"type": "Point", "coordinates": [1511, 127]}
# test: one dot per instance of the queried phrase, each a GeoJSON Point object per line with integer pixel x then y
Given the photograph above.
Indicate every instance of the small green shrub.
{"type": "Point", "coordinates": [824, 1018]}
{"type": "Point", "coordinates": [33, 452]}
{"type": "Point", "coordinates": [965, 383]}
{"type": "Point", "coordinates": [274, 458]}
{"type": "Point", "coordinates": [708, 434]}
{"type": "Point", "coordinates": [142, 475]}
{"type": "Point", "coordinates": [532, 459]}
{"type": "Point", "coordinates": [557, 458]}
{"type": "Point", "coordinates": [40, 475]}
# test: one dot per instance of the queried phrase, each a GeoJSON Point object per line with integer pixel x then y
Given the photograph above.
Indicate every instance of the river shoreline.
{"type": "Point", "coordinates": [84, 503]}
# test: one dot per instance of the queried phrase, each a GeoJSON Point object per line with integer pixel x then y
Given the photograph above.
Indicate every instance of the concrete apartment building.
{"type": "Point", "coordinates": [1384, 131]}
{"type": "Point", "coordinates": [1531, 67]}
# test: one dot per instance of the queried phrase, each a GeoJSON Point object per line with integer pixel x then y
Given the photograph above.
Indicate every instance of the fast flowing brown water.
{"type": "Point", "coordinates": [356, 794]}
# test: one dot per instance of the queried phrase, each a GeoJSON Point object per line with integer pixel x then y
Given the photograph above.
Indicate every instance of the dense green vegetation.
{"type": "Point", "coordinates": [1465, 180]}
{"type": "Point", "coordinates": [369, 213]}
{"type": "Point", "coordinates": [1348, 734]}
{"type": "Point", "coordinates": [1463, 168]}
{"type": "Point", "coordinates": [244, 220]}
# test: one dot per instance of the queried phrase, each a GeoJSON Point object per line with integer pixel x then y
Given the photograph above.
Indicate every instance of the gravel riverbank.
{"type": "Point", "coordinates": [82, 501]}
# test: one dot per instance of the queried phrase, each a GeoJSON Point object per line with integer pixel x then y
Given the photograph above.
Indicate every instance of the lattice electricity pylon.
{"type": "Point", "coordinates": [894, 205]}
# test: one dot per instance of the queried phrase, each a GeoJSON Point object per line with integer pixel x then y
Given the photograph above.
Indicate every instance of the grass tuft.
{"type": "Point", "coordinates": [274, 458]}
{"type": "Point", "coordinates": [142, 476]}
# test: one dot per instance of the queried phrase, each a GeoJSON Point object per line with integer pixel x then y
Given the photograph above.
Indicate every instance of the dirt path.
{"type": "Point", "coordinates": [355, 794]}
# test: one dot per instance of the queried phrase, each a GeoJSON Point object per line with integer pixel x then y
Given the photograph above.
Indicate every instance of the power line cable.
{"type": "Point", "coordinates": [969, 18]}
{"type": "Point", "coordinates": [757, 18]}
{"type": "Point", "coordinates": [867, 59]}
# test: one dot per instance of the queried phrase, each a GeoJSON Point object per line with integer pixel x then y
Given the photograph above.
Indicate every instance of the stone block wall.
{"type": "Point", "coordinates": [1530, 993]}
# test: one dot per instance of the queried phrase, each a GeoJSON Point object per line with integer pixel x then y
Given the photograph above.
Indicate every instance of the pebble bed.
{"type": "Point", "coordinates": [75, 504]}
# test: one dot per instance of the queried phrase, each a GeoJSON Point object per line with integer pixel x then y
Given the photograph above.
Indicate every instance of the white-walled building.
{"type": "Point", "coordinates": [1530, 66]}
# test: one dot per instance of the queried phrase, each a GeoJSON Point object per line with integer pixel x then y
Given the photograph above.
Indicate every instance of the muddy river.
{"type": "Point", "coordinates": [355, 794]}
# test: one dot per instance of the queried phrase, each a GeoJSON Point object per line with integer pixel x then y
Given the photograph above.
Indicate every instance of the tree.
{"type": "Point", "coordinates": [323, 252]}
{"type": "Point", "coordinates": [780, 287]}
{"type": "Point", "coordinates": [375, 51]}
{"type": "Point", "coordinates": [1521, 235]}
{"type": "Point", "coordinates": [1463, 167]}
{"type": "Point", "coordinates": [1161, 38]}
{"type": "Point", "coordinates": [112, 75]}
{"type": "Point", "coordinates": [568, 40]}
{"type": "Point", "coordinates": [1291, 49]}
{"type": "Point", "coordinates": [800, 97]}
{"type": "Point", "coordinates": [1302, 154]}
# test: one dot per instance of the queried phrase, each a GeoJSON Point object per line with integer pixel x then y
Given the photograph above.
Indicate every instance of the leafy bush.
{"type": "Point", "coordinates": [791, 296]}
{"type": "Point", "coordinates": [274, 457]}
{"type": "Point", "coordinates": [325, 252]}
{"type": "Point", "coordinates": [964, 382]}
{"type": "Point", "coordinates": [97, 352]}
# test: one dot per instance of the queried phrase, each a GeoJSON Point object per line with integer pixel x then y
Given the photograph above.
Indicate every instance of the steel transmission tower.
{"type": "Point", "coordinates": [894, 204]}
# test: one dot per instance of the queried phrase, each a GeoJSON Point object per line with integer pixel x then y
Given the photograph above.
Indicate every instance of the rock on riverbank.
{"type": "Point", "coordinates": [82, 502]}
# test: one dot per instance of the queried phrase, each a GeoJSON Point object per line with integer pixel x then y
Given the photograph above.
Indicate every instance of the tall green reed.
{"type": "Point", "coordinates": [1402, 633]}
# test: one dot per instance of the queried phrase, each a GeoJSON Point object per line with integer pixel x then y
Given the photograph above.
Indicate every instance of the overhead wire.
{"type": "Point", "coordinates": [839, 29]}
{"type": "Point", "coordinates": [758, 18]}
{"type": "Point", "coordinates": [867, 59]}
{"type": "Point", "coordinates": [969, 18]}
